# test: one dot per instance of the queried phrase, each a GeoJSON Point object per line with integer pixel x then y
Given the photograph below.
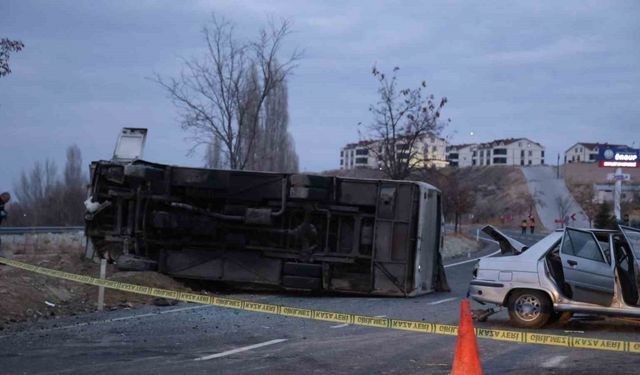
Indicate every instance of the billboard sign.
{"type": "Point", "coordinates": [618, 157]}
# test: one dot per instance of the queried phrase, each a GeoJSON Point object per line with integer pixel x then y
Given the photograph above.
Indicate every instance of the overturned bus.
{"type": "Point", "coordinates": [280, 230]}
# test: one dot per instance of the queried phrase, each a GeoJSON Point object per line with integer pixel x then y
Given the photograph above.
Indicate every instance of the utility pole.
{"type": "Point", "coordinates": [558, 167]}
{"type": "Point", "coordinates": [617, 192]}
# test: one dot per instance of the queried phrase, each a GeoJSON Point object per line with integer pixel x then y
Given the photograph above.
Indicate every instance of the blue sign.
{"type": "Point", "coordinates": [618, 157]}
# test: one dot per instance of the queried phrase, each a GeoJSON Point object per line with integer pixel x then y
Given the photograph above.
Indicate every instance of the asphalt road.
{"type": "Point", "coordinates": [209, 340]}
{"type": "Point", "coordinates": [547, 190]}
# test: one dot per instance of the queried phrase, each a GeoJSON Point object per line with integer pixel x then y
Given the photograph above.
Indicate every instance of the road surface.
{"type": "Point", "coordinates": [209, 340]}
{"type": "Point", "coordinates": [549, 191]}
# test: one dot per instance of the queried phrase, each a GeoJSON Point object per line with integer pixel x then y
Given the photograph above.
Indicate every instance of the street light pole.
{"type": "Point", "coordinates": [558, 167]}
{"type": "Point", "coordinates": [617, 192]}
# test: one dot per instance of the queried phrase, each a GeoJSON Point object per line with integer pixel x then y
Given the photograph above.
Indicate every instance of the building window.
{"type": "Point", "coordinates": [542, 161]}
{"type": "Point", "coordinates": [500, 160]}
{"type": "Point", "coordinates": [362, 160]}
{"type": "Point", "coordinates": [522, 153]}
{"type": "Point", "coordinates": [530, 153]}
{"type": "Point", "coordinates": [593, 157]}
{"type": "Point", "coordinates": [362, 151]}
{"type": "Point", "coordinates": [341, 162]}
{"type": "Point", "coordinates": [529, 162]}
{"type": "Point", "coordinates": [542, 153]}
{"type": "Point", "coordinates": [453, 156]}
{"type": "Point", "coordinates": [522, 162]}
{"type": "Point", "coordinates": [341, 153]}
{"type": "Point", "coordinates": [499, 151]}
{"type": "Point", "coordinates": [473, 154]}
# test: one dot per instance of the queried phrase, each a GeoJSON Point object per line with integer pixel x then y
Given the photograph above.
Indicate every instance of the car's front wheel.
{"type": "Point", "coordinates": [529, 308]}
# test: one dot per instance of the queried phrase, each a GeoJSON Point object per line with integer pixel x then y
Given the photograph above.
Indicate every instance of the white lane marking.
{"type": "Point", "coordinates": [183, 309]}
{"type": "Point", "coordinates": [380, 316]}
{"type": "Point", "coordinates": [340, 325]}
{"type": "Point", "coordinates": [442, 301]}
{"type": "Point", "coordinates": [128, 317]}
{"type": "Point", "coordinates": [239, 350]}
{"type": "Point", "coordinates": [554, 361]}
{"type": "Point", "coordinates": [471, 260]}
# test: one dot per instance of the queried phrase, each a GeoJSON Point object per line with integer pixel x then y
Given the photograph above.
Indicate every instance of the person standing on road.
{"type": "Point", "coordinates": [523, 226]}
{"type": "Point", "coordinates": [532, 224]}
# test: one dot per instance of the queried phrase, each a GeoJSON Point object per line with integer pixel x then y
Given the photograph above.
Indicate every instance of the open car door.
{"type": "Point", "coordinates": [586, 268]}
{"type": "Point", "coordinates": [507, 244]}
{"type": "Point", "coordinates": [632, 236]}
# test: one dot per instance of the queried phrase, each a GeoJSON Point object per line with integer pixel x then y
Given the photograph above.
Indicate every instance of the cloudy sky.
{"type": "Point", "coordinates": [556, 72]}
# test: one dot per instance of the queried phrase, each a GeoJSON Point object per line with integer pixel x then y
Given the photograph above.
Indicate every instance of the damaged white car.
{"type": "Point", "coordinates": [590, 271]}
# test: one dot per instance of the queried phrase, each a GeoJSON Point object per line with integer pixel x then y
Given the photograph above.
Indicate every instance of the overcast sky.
{"type": "Point", "coordinates": [557, 72]}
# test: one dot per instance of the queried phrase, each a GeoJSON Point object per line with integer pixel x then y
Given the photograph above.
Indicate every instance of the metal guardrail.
{"type": "Point", "coordinates": [33, 230]}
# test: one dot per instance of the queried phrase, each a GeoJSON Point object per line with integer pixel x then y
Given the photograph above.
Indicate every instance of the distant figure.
{"type": "Point", "coordinates": [4, 199]}
{"type": "Point", "coordinates": [523, 226]}
{"type": "Point", "coordinates": [532, 224]}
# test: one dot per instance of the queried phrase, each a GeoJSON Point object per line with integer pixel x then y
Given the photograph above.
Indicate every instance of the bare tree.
{"type": "Point", "coordinates": [42, 198]}
{"type": "Point", "coordinates": [458, 197]}
{"type": "Point", "coordinates": [8, 46]}
{"type": "Point", "coordinates": [74, 188]}
{"type": "Point", "coordinates": [213, 154]}
{"type": "Point", "coordinates": [402, 118]}
{"type": "Point", "coordinates": [222, 95]}
{"type": "Point", "coordinates": [275, 149]}
{"type": "Point", "coordinates": [584, 194]}
{"type": "Point", "coordinates": [564, 205]}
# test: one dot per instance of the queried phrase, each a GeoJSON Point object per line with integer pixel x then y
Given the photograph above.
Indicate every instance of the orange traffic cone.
{"type": "Point", "coordinates": [466, 360]}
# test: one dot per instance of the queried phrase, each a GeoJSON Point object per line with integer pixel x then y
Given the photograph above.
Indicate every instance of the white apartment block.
{"type": "Point", "coordinates": [367, 154]}
{"type": "Point", "coordinates": [359, 155]}
{"type": "Point", "coordinates": [460, 155]}
{"type": "Point", "coordinates": [510, 151]}
{"type": "Point", "coordinates": [434, 150]}
{"type": "Point", "coordinates": [584, 152]}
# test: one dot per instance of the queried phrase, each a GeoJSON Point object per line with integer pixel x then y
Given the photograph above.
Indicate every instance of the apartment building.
{"type": "Point", "coordinates": [359, 155]}
{"type": "Point", "coordinates": [510, 151]}
{"type": "Point", "coordinates": [460, 155]}
{"type": "Point", "coordinates": [584, 152]}
{"type": "Point", "coordinates": [431, 151]}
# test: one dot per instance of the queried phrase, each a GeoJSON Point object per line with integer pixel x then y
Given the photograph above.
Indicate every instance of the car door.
{"type": "Point", "coordinates": [632, 235]}
{"type": "Point", "coordinates": [585, 267]}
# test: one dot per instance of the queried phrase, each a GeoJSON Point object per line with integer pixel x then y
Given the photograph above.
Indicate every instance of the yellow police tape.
{"type": "Point", "coordinates": [330, 316]}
